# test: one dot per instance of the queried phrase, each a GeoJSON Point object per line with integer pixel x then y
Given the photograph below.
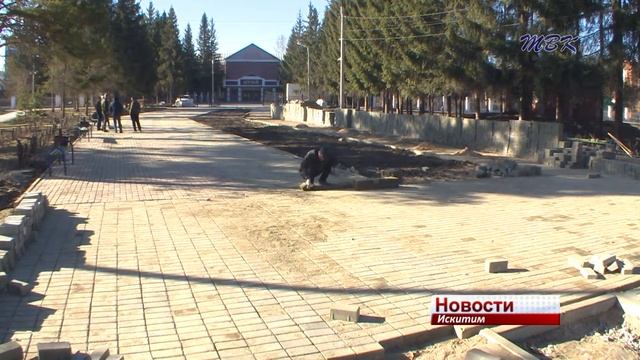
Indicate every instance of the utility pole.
{"type": "Point", "coordinates": [308, 72]}
{"type": "Point", "coordinates": [341, 55]}
{"type": "Point", "coordinates": [213, 91]}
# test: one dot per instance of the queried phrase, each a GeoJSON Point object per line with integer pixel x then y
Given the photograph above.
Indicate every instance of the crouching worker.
{"type": "Point", "coordinates": [317, 162]}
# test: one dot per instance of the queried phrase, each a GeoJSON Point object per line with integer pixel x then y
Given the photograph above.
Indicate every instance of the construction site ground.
{"type": "Point", "coordinates": [186, 242]}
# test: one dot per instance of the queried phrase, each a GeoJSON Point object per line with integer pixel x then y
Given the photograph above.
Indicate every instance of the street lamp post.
{"type": "Point", "coordinates": [213, 91]}
{"type": "Point", "coordinates": [308, 71]}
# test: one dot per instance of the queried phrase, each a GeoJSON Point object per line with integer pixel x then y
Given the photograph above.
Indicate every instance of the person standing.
{"type": "Point", "coordinates": [134, 112]}
{"type": "Point", "coordinates": [105, 112]}
{"type": "Point", "coordinates": [100, 113]}
{"type": "Point", "coordinates": [116, 110]}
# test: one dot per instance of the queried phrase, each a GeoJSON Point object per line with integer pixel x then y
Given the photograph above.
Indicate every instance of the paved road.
{"type": "Point", "coordinates": [186, 243]}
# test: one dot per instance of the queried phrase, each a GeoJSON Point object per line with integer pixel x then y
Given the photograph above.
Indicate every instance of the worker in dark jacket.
{"type": "Point", "coordinates": [317, 162]}
{"type": "Point", "coordinates": [105, 111]}
{"type": "Point", "coordinates": [99, 113]}
{"type": "Point", "coordinates": [134, 112]}
{"type": "Point", "coordinates": [116, 110]}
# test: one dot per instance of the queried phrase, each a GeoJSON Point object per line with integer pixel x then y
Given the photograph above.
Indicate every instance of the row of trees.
{"type": "Point", "coordinates": [413, 52]}
{"type": "Point", "coordinates": [85, 47]}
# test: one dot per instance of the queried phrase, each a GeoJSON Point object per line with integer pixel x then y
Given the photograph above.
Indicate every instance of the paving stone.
{"type": "Point", "coordinates": [496, 265]}
{"type": "Point", "coordinates": [11, 351]}
{"type": "Point", "coordinates": [613, 268]}
{"type": "Point", "coordinates": [345, 313]}
{"type": "Point", "coordinates": [54, 351]}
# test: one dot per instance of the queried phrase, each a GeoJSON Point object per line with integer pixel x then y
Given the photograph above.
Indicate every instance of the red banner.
{"type": "Point", "coordinates": [495, 319]}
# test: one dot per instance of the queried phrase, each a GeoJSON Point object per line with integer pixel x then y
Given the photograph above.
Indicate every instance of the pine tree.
{"type": "Point", "coordinates": [169, 55]}
{"type": "Point", "coordinates": [189, 61]}
{"type": "Point", "coordinates": [294, 61]}
{"type": "Point", "coordinates": [134, 66]}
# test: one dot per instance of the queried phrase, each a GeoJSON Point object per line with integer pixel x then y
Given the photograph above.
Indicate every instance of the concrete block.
{"type": "Point", "coordinates": [11, 351]}
{"type": "Point", "coordinates": [345, 313]}
{"type": "Point", "coordinates": [100, 354]}
{"type": "Point", "coordinates": [7, 260]}
{"type": "Point", "coordinates": [467, 331]}
{"type": "Point", "coordinates": [481, 353]}
{"type": "Point", "coordinates": [115, 357]}
{"type": "Point", "coordinates": [495, 338]}
{"type": "Point", "coordinates": [627, 267]}
{"type": "Point", "coordinates": [4, 280]}
{"type": "Point", "coordinates": [19, 287]}
{"type": "Point", "coordinates": [578, 261]}
{"type": "Point", "coordinates": [609, 155]}
{"type": "Point", "coordinates": [589, 274]}
{"type": "Point", "coordinates": [603, 259]}
{"type": "Point", "coordinates": [630, 302]}
{"type": "Point", "coordinates": [80, 356]}
{"type": "Point", "coordinates": [7, 243]}
{"type": "Point", "coordinates": [496, 265]}
{"type": "Point", "coordinates": [54, 351]}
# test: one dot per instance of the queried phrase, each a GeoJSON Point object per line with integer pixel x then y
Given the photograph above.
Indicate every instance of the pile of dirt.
{"type": "Point", "coordinates": [367, 158]}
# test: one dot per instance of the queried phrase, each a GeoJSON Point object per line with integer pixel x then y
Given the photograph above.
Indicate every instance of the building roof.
{"type": "Point", "coordinates": [251, 53]}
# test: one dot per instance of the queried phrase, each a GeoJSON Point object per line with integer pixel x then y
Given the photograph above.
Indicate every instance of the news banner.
{"type": "Point", "coordinates": [495, 309]}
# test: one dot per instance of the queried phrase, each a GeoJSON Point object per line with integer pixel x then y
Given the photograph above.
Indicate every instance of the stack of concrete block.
{"type": "Point", "coordinates": [17, 230]}
{"type": "Point", "coordinates": [506, 168]}
{"type": "Point", "coordinates": [577, 155]}
{"type": "Point", "coordinates": [596, 266]}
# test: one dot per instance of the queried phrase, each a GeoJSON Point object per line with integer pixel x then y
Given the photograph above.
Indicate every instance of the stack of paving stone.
{"type": "Point", "coordinates": [17, 230]}
{"type": "Point", "coordinates": [596, 266]}
{"type": "Point", "coordinates": [54, 351]}
{"type": "Point", "coordinates": [577, 155]}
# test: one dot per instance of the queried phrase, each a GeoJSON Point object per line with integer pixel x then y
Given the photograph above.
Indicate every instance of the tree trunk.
{"type": "Point", "coordinates": [449, 105]}
{"type": "Point", "coordinates": [86, 105]}
{"type": "Point", "coordinates": [421, 106]}
{"type": "Point", "coordinates": [617, 53]}
{"type": "Point", "coordinates": [526, 91]}
{"type": "Point", "coordinates": [477, 105]}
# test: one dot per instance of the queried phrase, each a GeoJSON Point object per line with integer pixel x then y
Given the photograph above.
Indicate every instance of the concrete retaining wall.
{"type": "Point", "coordinates": [626, 168]}
{"type": "Point", "coordinates": [515, 138]}
{"type": "Point", "coordinates": [313, 117]}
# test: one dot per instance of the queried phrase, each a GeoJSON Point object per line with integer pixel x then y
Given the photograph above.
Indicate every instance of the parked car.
{"type": "Point", "coordinates": [184, 100]}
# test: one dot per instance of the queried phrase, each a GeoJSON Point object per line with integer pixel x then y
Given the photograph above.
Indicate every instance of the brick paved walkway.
{"type": "Point", "coordinates": [185, 243]}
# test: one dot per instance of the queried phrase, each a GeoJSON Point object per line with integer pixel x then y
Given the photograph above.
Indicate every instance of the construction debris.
{"type": "Point", "coordinates": [600, 264]}
{"type": "Point", "coordinates": [506, 168]}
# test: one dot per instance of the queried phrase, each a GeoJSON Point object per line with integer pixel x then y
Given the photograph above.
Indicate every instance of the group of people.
{"type": "Point", "coordinates": [104, 108]}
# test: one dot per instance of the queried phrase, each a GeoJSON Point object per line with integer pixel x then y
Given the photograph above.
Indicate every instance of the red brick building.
{"type": "Point", "coordinates": [252, 75]}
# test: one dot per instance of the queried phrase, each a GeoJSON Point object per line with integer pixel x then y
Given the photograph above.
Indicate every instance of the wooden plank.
{"type": "Point", "coordinates": [621, 144]}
